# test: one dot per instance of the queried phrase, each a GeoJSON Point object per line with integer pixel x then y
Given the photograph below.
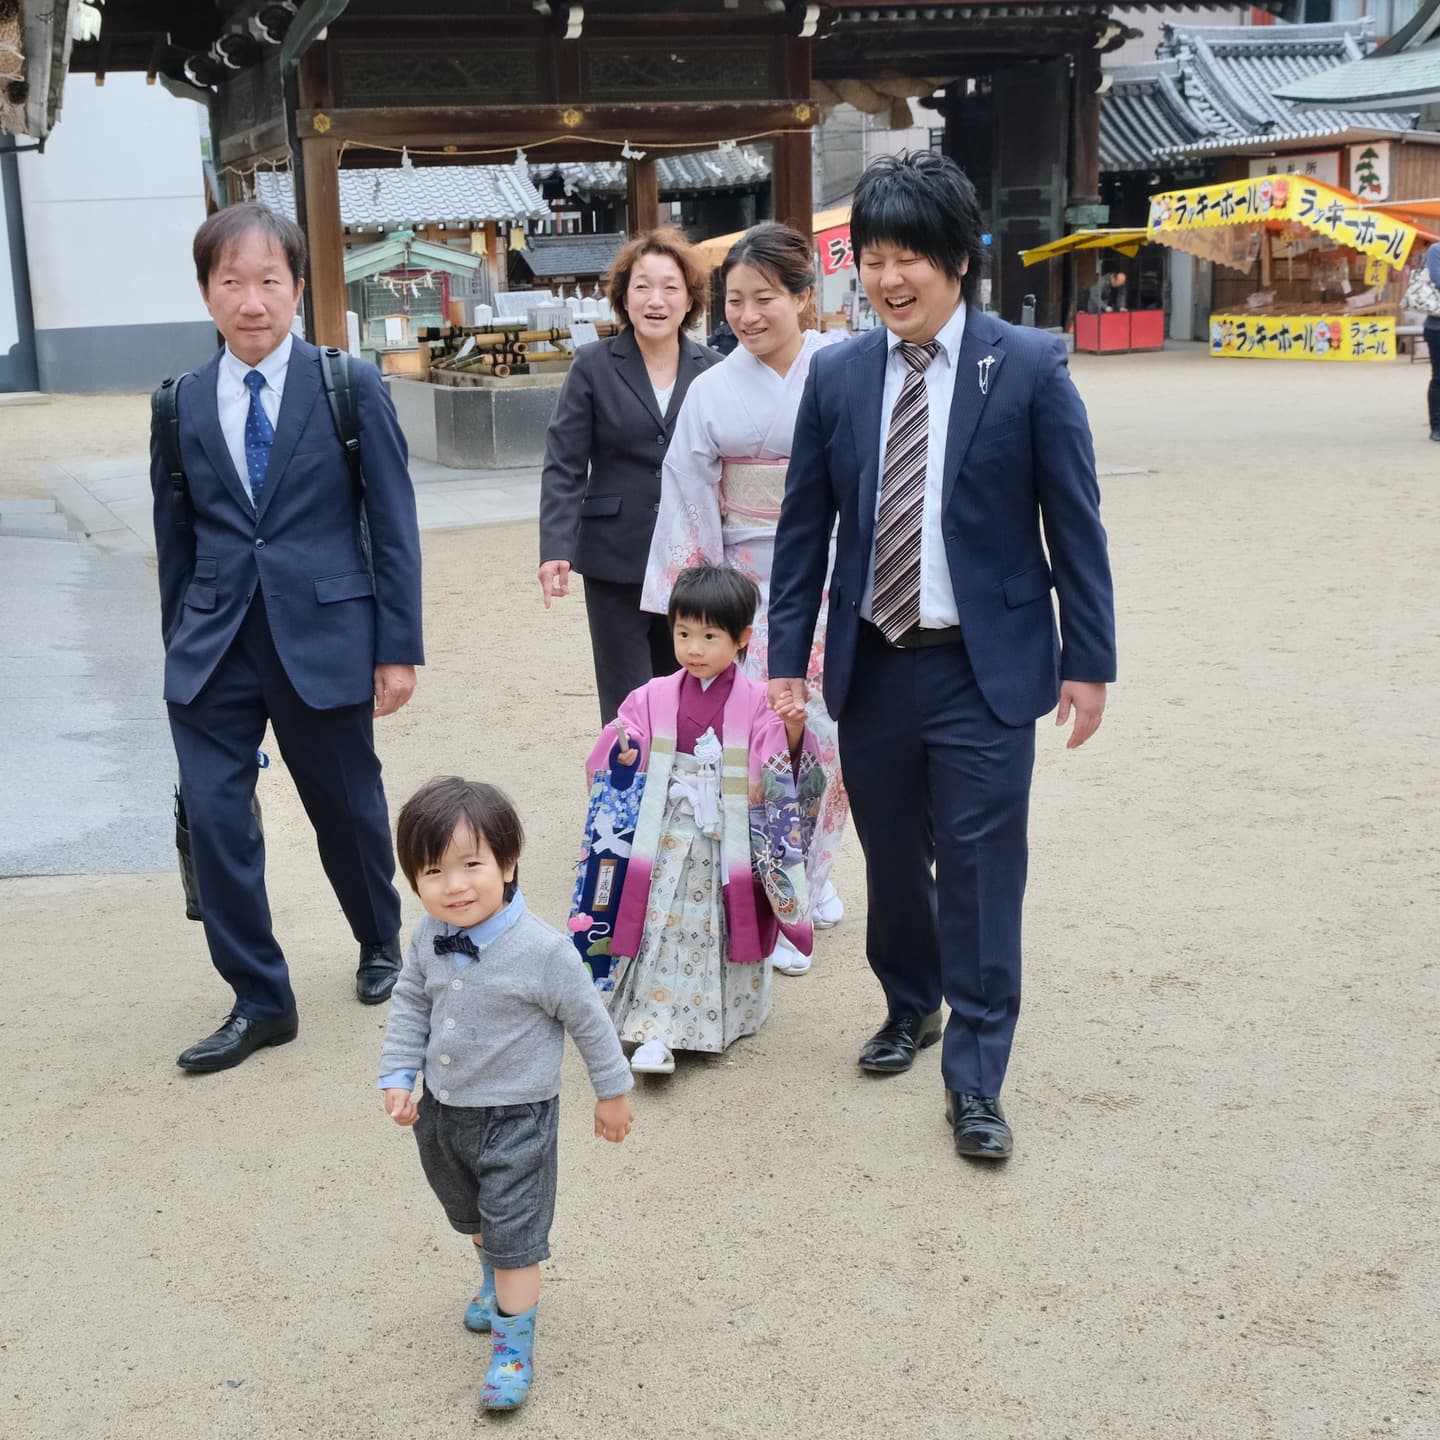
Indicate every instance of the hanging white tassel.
{"type": "Point", "coordinates": [87, 21]}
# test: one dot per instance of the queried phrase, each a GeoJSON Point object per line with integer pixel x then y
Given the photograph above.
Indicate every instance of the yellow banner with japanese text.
{"type": "Point", "coordinates": [1303, 337]}
{"type": "Point", "coordinates": [1293, 198]}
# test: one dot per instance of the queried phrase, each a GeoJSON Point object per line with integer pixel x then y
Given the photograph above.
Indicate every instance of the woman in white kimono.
{"type": "Point", "coordinates": [724, 479]}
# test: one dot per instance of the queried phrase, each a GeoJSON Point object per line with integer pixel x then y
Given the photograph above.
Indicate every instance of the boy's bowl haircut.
{"type": "Point", "coordinates": [429, 817]}
{"type": "Point", "coordinates": [715, 595]}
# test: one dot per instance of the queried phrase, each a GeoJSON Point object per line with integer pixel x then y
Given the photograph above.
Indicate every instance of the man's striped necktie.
{"type": "Point", "coordinates": [895, 602]}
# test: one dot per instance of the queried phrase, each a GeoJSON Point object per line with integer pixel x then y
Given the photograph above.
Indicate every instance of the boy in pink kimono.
{"type": "Point", "coordinates": [717, 867]}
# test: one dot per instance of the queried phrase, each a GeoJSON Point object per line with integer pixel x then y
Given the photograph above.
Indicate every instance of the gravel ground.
{"type": "Point", "coordinates": [1220, 1220]}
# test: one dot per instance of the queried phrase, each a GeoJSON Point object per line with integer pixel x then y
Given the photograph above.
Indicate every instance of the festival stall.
{"type": "Point", "coordinates": [1115, 332]}
{"type": "Point", "coordinates": [1331, 271]}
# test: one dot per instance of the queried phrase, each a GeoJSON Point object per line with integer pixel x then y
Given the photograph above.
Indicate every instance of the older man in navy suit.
{"type": "Point", "coordinates": [944, 442]}
{"type": "Point", "coordinates": [273, 612]}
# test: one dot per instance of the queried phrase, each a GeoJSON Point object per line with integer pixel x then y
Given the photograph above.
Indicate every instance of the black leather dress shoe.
{"type": "Point", "coordinates": [981, 1132]}
{"type": "Point", "coordinates": [378, 972]}
{"type": "Point", "coordinates": [891, 1049]}
{"type": "Point", "coordinates": [236, 1040]}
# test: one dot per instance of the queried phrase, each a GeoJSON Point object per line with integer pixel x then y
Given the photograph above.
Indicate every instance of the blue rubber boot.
{"type": "Point", "coordinates": [512, 1357]}
{"type": "Point", "coordinates": [481, 1310]}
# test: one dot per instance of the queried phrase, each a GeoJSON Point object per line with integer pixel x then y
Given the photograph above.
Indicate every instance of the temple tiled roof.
{"type": "Point", "coordinates": [423, 195]}
{"type": "Point", "coordinates": [1377, 83]}
{"type": "Point", "coordinates": [546, 256]}
{"type": "Point", "coordinates": [730, 168]}
{"type": "Point", "coordinates": [1214, 89]}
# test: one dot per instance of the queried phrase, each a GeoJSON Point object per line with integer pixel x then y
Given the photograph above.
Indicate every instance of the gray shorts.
{"type": "Point", "coordinates": [493, 1169]}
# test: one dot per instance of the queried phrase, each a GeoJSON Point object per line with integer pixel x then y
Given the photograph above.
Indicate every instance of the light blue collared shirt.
{"type": "Point", "coordinates": [484, 935]}
{"type": "Point", "coordinates": [232, 398]}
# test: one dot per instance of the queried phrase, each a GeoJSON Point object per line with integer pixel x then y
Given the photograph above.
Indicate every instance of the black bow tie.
{"type": "Point", "coordinates": [456, 945]}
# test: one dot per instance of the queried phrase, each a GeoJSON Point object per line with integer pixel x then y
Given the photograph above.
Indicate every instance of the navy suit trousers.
{"type": "Point", "coordinates": [331, 755]}
{"type": "Point", "coordinates": [940, 792]}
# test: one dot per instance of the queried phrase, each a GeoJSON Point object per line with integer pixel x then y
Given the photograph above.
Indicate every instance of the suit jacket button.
{"type": "Point", "coordinates": [259, 544]}
{"type": "Point", "coordinates": [659, 439]}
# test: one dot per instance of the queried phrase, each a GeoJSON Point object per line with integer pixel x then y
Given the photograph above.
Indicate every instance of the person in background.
{"type": "Point", "coordinates": [273, 612]}
{"type": "Point", "coordinates": [1108, 293]}
{"type": "Point", "coordinates": [600, 486]}
{"type": "Point", "coordinates": [1432, 343]}
{"type": "Point", "coordinates": [723, 338]}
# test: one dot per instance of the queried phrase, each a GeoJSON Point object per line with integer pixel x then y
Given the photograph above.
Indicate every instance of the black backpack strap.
{"type": "Point", "coordinates": [165, 427]}
{"type": "Point", "coordinates": [344, 412]}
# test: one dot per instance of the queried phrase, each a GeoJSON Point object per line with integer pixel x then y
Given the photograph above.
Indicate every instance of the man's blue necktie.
{"type": "Point", "coordinates": [259, 436]}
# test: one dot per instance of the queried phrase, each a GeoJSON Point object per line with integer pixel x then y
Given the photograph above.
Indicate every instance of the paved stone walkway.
{"type": "Point", "coordinates": [109, 501]}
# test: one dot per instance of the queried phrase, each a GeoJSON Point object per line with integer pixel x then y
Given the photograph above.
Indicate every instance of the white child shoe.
{"type": "Point", "coordinates": [829, 911]}
{"type": "Point", "coordinates": [787, 960]}
{"type": "Point", "coordinates": [653, 1058]}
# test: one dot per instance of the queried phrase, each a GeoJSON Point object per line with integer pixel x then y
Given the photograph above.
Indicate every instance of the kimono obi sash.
{"type": "Point", "coordinates": [752, 489]}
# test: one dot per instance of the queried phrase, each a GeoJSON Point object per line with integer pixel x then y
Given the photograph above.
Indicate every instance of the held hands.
{"type": "Point", "coordinates": [400, 1107]}
{"type": "Point", "coordinates": [1087, 699]}
{"type": "Point", "coordinates": [787, 700]}
{"type": "Point", "coordinates": [554, 576]}
{"type": "Point", "coordinates": [613, 1118]}
{"type": "Point", "coordinates": [394, 685]}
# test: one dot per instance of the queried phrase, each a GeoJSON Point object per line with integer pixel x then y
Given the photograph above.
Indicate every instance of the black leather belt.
{"type": "Point", "coordinates": [917, 639]}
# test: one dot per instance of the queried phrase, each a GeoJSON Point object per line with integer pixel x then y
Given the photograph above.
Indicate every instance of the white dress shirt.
{"type": "Point", "coordinates": [234, 399]}
{"type": "Point", "coordinates": [937, 594]}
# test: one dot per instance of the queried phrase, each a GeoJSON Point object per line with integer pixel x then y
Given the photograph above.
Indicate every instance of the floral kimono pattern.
{"type": "Point", "coordinates": [769, 811]}
{"type": "Point", "coordinates": [716, 868]}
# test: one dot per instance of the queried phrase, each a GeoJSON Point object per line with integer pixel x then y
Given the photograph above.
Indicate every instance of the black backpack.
{"type": "Point", "coordinates": [334, 375]}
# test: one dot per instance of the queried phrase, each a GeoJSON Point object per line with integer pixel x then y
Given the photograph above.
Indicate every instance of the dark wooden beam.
{"type": "Point", "coordinates": [500, 128]}
{"type": "Point", "coordinates": [794, 181]}
{"type": "Point", "coordinates": [642, 195]}
{"type": "Point", "coordinates": [326, 238]}
{"type": "Point", "coordinates": [1085, 128]}
{"type": "Point", "coordinates": [913, 51]}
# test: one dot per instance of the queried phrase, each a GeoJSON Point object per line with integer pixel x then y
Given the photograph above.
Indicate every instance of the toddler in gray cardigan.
{"type": "Point", "coordinates": [482, 1005]}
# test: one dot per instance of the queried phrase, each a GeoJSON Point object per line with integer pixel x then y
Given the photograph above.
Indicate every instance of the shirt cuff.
{"type": "Point", "coordinates": [398, 1080]}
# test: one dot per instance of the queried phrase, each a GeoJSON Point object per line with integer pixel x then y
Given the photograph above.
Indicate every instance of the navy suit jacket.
{"type": "Point", "coordinates": [331, 622]}
{"type": "Point", "coordinates": [1017, 457]}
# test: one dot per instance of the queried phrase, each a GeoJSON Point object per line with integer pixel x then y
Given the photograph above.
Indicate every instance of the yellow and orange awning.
{"type": "Point", "coordinates": [1127, 242]}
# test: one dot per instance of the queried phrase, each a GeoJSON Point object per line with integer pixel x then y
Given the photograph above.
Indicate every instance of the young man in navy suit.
{"type": "Point", "coordinates": [943, 442]}
{"type": "Point", "coordinates": [272, 612]}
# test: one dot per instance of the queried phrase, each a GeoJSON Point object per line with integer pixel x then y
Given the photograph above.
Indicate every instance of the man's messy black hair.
{"type": "Point", "coordinates": [925, 203]}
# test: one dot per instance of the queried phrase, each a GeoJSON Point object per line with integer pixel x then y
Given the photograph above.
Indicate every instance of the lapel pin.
{"type": "Point", "coordinates": [984, 369]}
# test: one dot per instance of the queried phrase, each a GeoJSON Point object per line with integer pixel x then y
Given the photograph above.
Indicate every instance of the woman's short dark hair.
{"type": "Point", "coordinates": [715, 595]}
{"type": "Point", "coordinates": [663, 241]}
{"type": "Point", "coordinates": [226, 226]}
{"type": "Point", "coordinates": [923, 202]}
{"type": "Point", "coordinates": [428, 819]}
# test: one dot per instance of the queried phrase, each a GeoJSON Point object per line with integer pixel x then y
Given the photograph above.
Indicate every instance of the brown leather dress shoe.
{"type": "Point", "coordinates": [892, 1048]}
{"type": "Point", "coordinates": [979, 1126]}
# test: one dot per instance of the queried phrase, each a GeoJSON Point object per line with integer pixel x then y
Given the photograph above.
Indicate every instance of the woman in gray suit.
{"type": "Point", "coordinates": [600, 487]}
